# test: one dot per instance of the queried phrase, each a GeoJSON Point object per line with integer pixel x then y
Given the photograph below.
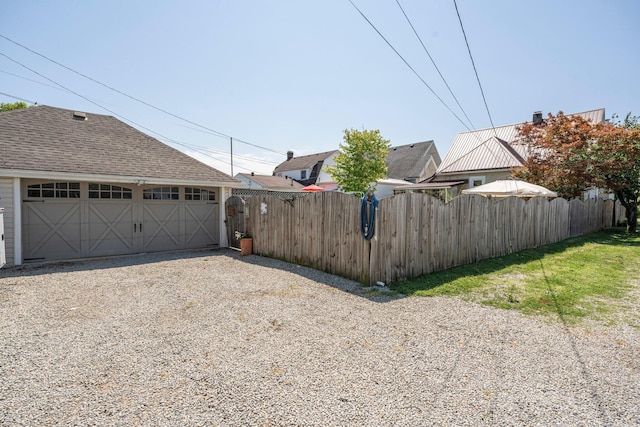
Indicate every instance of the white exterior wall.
{"type": "Point", "coordinates": [248, 183]}
{"type": "Point", "coordinates": [323, 176]}
{"type": "Point", "coordinates": [295, 174]}
{"type": "Point", "coordinates": [6, 202]}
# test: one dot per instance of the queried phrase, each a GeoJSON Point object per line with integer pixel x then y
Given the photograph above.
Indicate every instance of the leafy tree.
{"type": "Point", "coordinates": [569, 154]}
{"type": "Point", "coordinates": [13, 106]}
{"type": "Point", "coordinates": [360, 162]}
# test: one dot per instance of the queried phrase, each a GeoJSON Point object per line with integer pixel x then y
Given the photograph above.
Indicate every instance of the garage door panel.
{"type": "Point", "coordinates": [52, 230]}
{"type": "Point", "coordinates": [201, 225]}
{"type": "Point", "coordinates": [111, 228]}
{"type": "Point", "coordinates": [161, 221]}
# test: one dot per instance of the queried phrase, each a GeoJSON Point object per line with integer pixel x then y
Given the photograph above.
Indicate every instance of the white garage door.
{"type": "Point", "coordinates": [63, 220]}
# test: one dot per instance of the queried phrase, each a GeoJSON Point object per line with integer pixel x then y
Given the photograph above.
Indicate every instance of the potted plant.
{"type": "Point", "coordinates": [246, 243]}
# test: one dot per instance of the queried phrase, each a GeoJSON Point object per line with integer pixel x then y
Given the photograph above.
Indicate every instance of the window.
{"type": "Point", "coordinates": [106, 191]}
{"type": "Point", "coordinates": [475, 181]}
{"type": "Point", "coordinates": [161, 193]}
{"type": "Point", "coordinates": [60, 190]}
{"type": "Point", "coordinates": [303, 174]}
{"type": "Point", "coordinates": [191, 193]}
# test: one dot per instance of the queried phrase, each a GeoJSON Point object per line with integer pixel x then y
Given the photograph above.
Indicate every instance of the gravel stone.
{"type": "Point", "coordinates": [206, 338]}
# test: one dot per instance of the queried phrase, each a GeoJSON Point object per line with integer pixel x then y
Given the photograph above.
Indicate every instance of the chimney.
{"type": "Point", "coordinates": [537, 118]}
{"type": "Point", "coordinates": [253, 174]}
{"type": "Point", "coordinates": [289, 155]}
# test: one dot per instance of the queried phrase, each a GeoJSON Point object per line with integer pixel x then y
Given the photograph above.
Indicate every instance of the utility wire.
{"type": "Point", "coordinates": [408, 65]}
{"type": "Point", "coordinates": [87, 99]}
{"type": "Point", "coordinates": [31, 80]}
{"type": "Point", "coordinates": [474, 132]}
{"type": "Point", "coordinates": [474, 68]}
{"type": "Point", "coordinates": [213, 131]}
{"type": "Point", "coordinates": [434, 63]}
{"type": "Point", "coordinates": [235, 156]}
{"type": "Point", "coordinates": [119, 115]}
{"type": "Point", "coordinates": [16, 97]}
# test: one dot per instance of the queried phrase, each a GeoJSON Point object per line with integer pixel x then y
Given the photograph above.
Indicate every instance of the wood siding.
{"type": "Point", "coordinates": [415, 233]}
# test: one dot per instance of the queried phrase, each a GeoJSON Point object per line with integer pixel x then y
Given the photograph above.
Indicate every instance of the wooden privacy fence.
{"type": "Point", "coordinates": [415, 233]}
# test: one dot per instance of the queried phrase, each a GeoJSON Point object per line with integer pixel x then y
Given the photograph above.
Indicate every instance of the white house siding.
{"type": "Point", "coordinates": [6, 202]}
{"type": "Point", "coordinates": [323, 176]}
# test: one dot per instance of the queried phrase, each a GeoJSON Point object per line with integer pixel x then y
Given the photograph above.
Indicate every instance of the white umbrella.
{"type": "Point", "coordinates": [510, 187]}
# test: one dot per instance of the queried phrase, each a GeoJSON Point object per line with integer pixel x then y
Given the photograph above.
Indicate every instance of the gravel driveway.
{"type": "Point", "coordinates": [212, 338]}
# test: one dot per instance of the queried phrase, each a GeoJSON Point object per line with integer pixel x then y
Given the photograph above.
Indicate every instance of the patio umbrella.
{"type": "Point", "coordinates": [313, 188]}
{"type": "Point", "coordinates": [510, 187]}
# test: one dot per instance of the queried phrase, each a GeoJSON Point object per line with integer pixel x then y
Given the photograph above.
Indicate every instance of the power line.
{"type": "Point", "coordinates": [121, 116]}
{"type": "Point", "coordinates": [474, 68]}
{"type": "Point", "coordinates": [18, 98]}
{"type": "Point", "coordinates": [31, 80]}
{"type": "Point", "coordinates": [410, 67]}
{"type": "Point", "coordinates": [474, 132]}
{"type": "Point", "coordinates": [434, 63]}
{"type": "Point", "coordinates": [213, 131]}
{"type": "Point", "coordinates": [211, 150]}
{"type": "Point", "coordinates": [87, 99]}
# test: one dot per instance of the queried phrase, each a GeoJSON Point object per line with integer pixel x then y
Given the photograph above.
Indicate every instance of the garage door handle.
{"type": "Point", "coordinates": [141, 227]}
{"type": "Point", "coordinates": [134, 227]}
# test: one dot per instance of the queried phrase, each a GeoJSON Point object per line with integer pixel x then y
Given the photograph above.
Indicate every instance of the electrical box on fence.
{"type": "Point", "coordinates": [3, 255]}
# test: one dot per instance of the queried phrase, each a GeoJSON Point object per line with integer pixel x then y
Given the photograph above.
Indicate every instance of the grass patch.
{"type": "Point", "coordinates": [588, 277]}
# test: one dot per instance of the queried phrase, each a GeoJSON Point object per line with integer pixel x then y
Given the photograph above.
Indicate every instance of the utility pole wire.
{"type": "Point", "coordinates": [434, 64]}
{"type": "Point", "coordinates": [474, 68]}
{"type": "Point", "coordinates": [408, 65]}
{"type": "Point", "coordinates": [18, 98]}
{"type": "Point", "coordinates": [166, 138]}
{"type": "Point", "coordinates": [213, 131]}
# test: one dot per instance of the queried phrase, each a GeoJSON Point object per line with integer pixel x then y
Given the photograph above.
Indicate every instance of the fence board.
{"type": "Point", "coordinates": [415, 233]}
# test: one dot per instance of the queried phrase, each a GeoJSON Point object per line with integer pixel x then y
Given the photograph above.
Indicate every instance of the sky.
{"type": "Point", "coordinates": [265, 77]}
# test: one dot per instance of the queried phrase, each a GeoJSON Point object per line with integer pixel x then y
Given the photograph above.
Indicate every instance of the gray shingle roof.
{"type": "Point", "coordinates": [302, 162]}
{"type": "Point", "coordinates": [408, 162]}
{"type": "Point", "coordinates": [44, 138]}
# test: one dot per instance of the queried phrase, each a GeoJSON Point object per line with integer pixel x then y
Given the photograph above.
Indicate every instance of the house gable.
{"type": "Point", "coordinates": [412, 162]}
{"type": "Point", "coordinates": [493, 153]}
{"type": "Point", "coordinates": [304, 169]}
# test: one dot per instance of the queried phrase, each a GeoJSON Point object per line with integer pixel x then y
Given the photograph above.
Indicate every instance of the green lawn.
{"type": "Point", "coordinates": [594, 277]}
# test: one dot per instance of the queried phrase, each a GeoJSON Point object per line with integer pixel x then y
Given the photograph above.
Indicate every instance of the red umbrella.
{"type": "Point", "coordinates": [313, 188]}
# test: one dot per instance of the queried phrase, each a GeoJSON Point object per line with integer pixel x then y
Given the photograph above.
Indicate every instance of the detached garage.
{"type": "Point", "coordinates": [77, 185]}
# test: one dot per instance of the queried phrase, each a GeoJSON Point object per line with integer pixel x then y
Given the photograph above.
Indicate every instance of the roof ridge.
{"type": "Point", "coordinates": [527, 121]}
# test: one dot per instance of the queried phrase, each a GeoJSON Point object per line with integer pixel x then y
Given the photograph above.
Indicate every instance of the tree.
{"type": "Point", "coordinates": [360, 162]}
{"type": "Point", "coordinates": [619, 152]}
{"type": "Point", "coordinates": [569, 154]}
{"type": "Point", "coordinates": [13, 106]}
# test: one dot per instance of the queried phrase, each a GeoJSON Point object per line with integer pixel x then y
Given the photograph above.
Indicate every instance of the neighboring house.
{"type": "Point", "coordinates": [483, 156]}
{"type": "Point", "coordinates": [308, 169]}
{"type": "Point", "coordinates": [410, 163]}
{"type": "Point", "coordinates": [387, 187]}
{"type": "Point", "coordinates": [413, 162]}
{"type": "Point", "coordinates": [268, 182]}
{"type": "Point", "coordinates": [78, 185]}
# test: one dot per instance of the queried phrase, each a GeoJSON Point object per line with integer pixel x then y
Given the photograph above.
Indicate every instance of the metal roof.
{"type": "Point", "coordinates": [493, 148]}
